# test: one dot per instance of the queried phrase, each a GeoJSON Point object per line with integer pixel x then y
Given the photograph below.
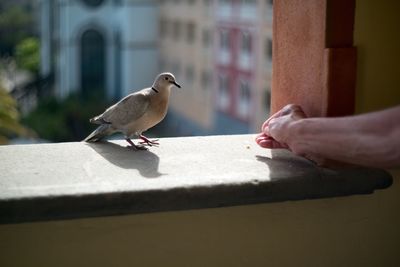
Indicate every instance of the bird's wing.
{"type": "Point", "coordinates": [129, 109]}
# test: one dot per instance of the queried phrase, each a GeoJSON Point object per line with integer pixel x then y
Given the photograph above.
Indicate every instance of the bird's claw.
{"type": "Point", "coordinates": [147, 141]}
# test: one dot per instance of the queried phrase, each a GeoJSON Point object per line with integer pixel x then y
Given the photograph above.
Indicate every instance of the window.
{"type": "Point", "coordinates": [268, 50]}
{"type": "Point", "coordinates": [207, 7]}
{"type": "Point", "coordinates": [268, 10]}
{"type": "Point", "coordinates": [92, 3]}
{"type": "Point", "coordinates": [233, 46]}
{"type": "Point", "coordinates": [163, 28]}
{"type": "Point", "coordinates": [224, 55]}
{"type": "Point", "coordinates": [206, 80]}
{"type": "Point", "coordinates": [248, 2]}
{"type": "Point", "coordinates": [93, 62]}
{"type": "Point", "coordinates": [206, 38]}
{"type": "Point", "coordinates": [243, 108]}
{"type": "Point", "coordinates": [246, 43]}
{"type": "Point", "coordinates": [245, 56]}
{"type": "Point", "coordinates": [177, 30]}
{"type": "Point", "coordinates": [223, 93]}
{"type": "Point", "coordinates": [247, 9]}
{"type": "Point", "coordinates": [267, 100]}
{"type": "Point", "coordinates": [226, 2]}
{"type": "Point", "coordinates": [224, 40]}
{"type": "Point", "coordinates": [190, 32]}
{"type": "Point", "coordinates": [225, 8]}
{"type": "Point", "coordinates": [189, 74]}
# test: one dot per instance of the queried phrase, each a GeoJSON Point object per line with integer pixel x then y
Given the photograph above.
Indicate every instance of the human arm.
{"type": "Point", "coordinates": [371, 139]}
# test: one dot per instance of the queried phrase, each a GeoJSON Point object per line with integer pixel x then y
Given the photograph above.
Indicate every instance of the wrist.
{"type": "Point", "coordinates": [295, 136]}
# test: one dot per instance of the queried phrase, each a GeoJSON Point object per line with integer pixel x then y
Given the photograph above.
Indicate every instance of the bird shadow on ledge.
{"type": "Point", "coordinates": [146, 162]}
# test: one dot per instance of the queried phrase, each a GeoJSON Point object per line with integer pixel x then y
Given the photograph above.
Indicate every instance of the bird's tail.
{"type": "Point", "coordinates": [101, 131]}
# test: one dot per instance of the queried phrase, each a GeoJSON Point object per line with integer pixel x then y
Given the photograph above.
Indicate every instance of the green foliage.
{"type": "Point", "coordinates": [27, 54]}
{"type": "Point", "coordinates": [66, 120]}
{"type": "Point", "coordinates": [16, 24]}
{"type": "Point", "coordinates": [9, 118]}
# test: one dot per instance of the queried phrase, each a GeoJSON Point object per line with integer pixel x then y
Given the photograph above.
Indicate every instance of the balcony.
{"type": "Point", "coordinates": [201, 201]}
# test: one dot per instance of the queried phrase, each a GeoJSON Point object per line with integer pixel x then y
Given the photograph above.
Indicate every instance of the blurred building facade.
{"type": "Point", "coordinates": [99, 45]}
{"type": "Point", "coordinates": [219, 50]}
{"type": "Point", "coordinates": [222, 53]}
{"type": "Point", "coordinates": [186, 49]}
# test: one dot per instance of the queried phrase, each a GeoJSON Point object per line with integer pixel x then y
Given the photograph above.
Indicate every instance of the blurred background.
{"type": "Point", "coordinates": [64, 61]}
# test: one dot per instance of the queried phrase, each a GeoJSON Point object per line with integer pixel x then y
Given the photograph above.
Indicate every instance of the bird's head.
{"type": "Point", "coordinates": [165, 80]}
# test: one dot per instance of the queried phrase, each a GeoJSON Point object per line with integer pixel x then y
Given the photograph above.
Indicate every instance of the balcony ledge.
{"type": "Point", "coordinates": [75, 180]}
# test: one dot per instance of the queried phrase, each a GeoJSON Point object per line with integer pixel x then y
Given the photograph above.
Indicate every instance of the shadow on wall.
{"type": "Point", "coordinates": [295, 178]}
{"type": "Point", "coordinates": [145, 162]}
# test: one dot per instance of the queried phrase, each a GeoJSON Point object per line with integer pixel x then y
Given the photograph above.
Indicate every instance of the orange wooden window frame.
{"type": "Point", "coordinates": [314, 60]}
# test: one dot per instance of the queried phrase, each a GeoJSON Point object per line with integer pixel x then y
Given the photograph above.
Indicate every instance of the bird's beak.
{"type": "Point", "coordinates": [176, 84]}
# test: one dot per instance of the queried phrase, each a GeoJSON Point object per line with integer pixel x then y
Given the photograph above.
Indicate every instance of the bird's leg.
{"type": "Point", "coordinates": [132, 145]}
{"type": "Point", "coordinates": [148, 141]}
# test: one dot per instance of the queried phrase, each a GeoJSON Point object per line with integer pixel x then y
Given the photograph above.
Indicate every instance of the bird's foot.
{"type": "Point", "coordinates": [133, 146]}
{"type": "Point", "coordinates": [148, 141]}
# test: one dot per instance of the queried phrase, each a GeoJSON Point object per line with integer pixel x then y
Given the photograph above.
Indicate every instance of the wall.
{"type": "Point", "coordinates": [378, 41]}
{"type": "Point", "coordinates": [349, 231]}
{"type": "Point", "coordinates": [376, 36]}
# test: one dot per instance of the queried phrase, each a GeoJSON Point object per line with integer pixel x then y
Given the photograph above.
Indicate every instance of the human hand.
{"type": "Point", "coordinates": [275, 132]}
{"type": "Point", "coordinates": [278, 132]}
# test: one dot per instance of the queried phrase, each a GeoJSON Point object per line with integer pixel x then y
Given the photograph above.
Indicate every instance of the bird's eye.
{"type": "Point", "coordinates": [166, 78]}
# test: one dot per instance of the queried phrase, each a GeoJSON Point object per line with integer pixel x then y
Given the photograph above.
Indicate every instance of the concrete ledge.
{"type": "Point", "coordinates": [74, 180]}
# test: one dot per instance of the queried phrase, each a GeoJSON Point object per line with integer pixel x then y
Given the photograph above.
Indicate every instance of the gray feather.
{"type": "Point", "coordinates": [128, 109]}
{"type": "Point", "coordinates": [101, 132]}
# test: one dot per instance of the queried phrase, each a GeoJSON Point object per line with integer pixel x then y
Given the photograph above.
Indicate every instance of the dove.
{"type": "Point", "coordinates": [136, 113]}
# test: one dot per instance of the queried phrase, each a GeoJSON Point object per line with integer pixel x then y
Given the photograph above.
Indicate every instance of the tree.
{"type": "Point", "coordinates": [16, 23]}
{"type": "Point", "coordinates": [9, 118]}
{"type": "Point", "coordinates": [27, 55]}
